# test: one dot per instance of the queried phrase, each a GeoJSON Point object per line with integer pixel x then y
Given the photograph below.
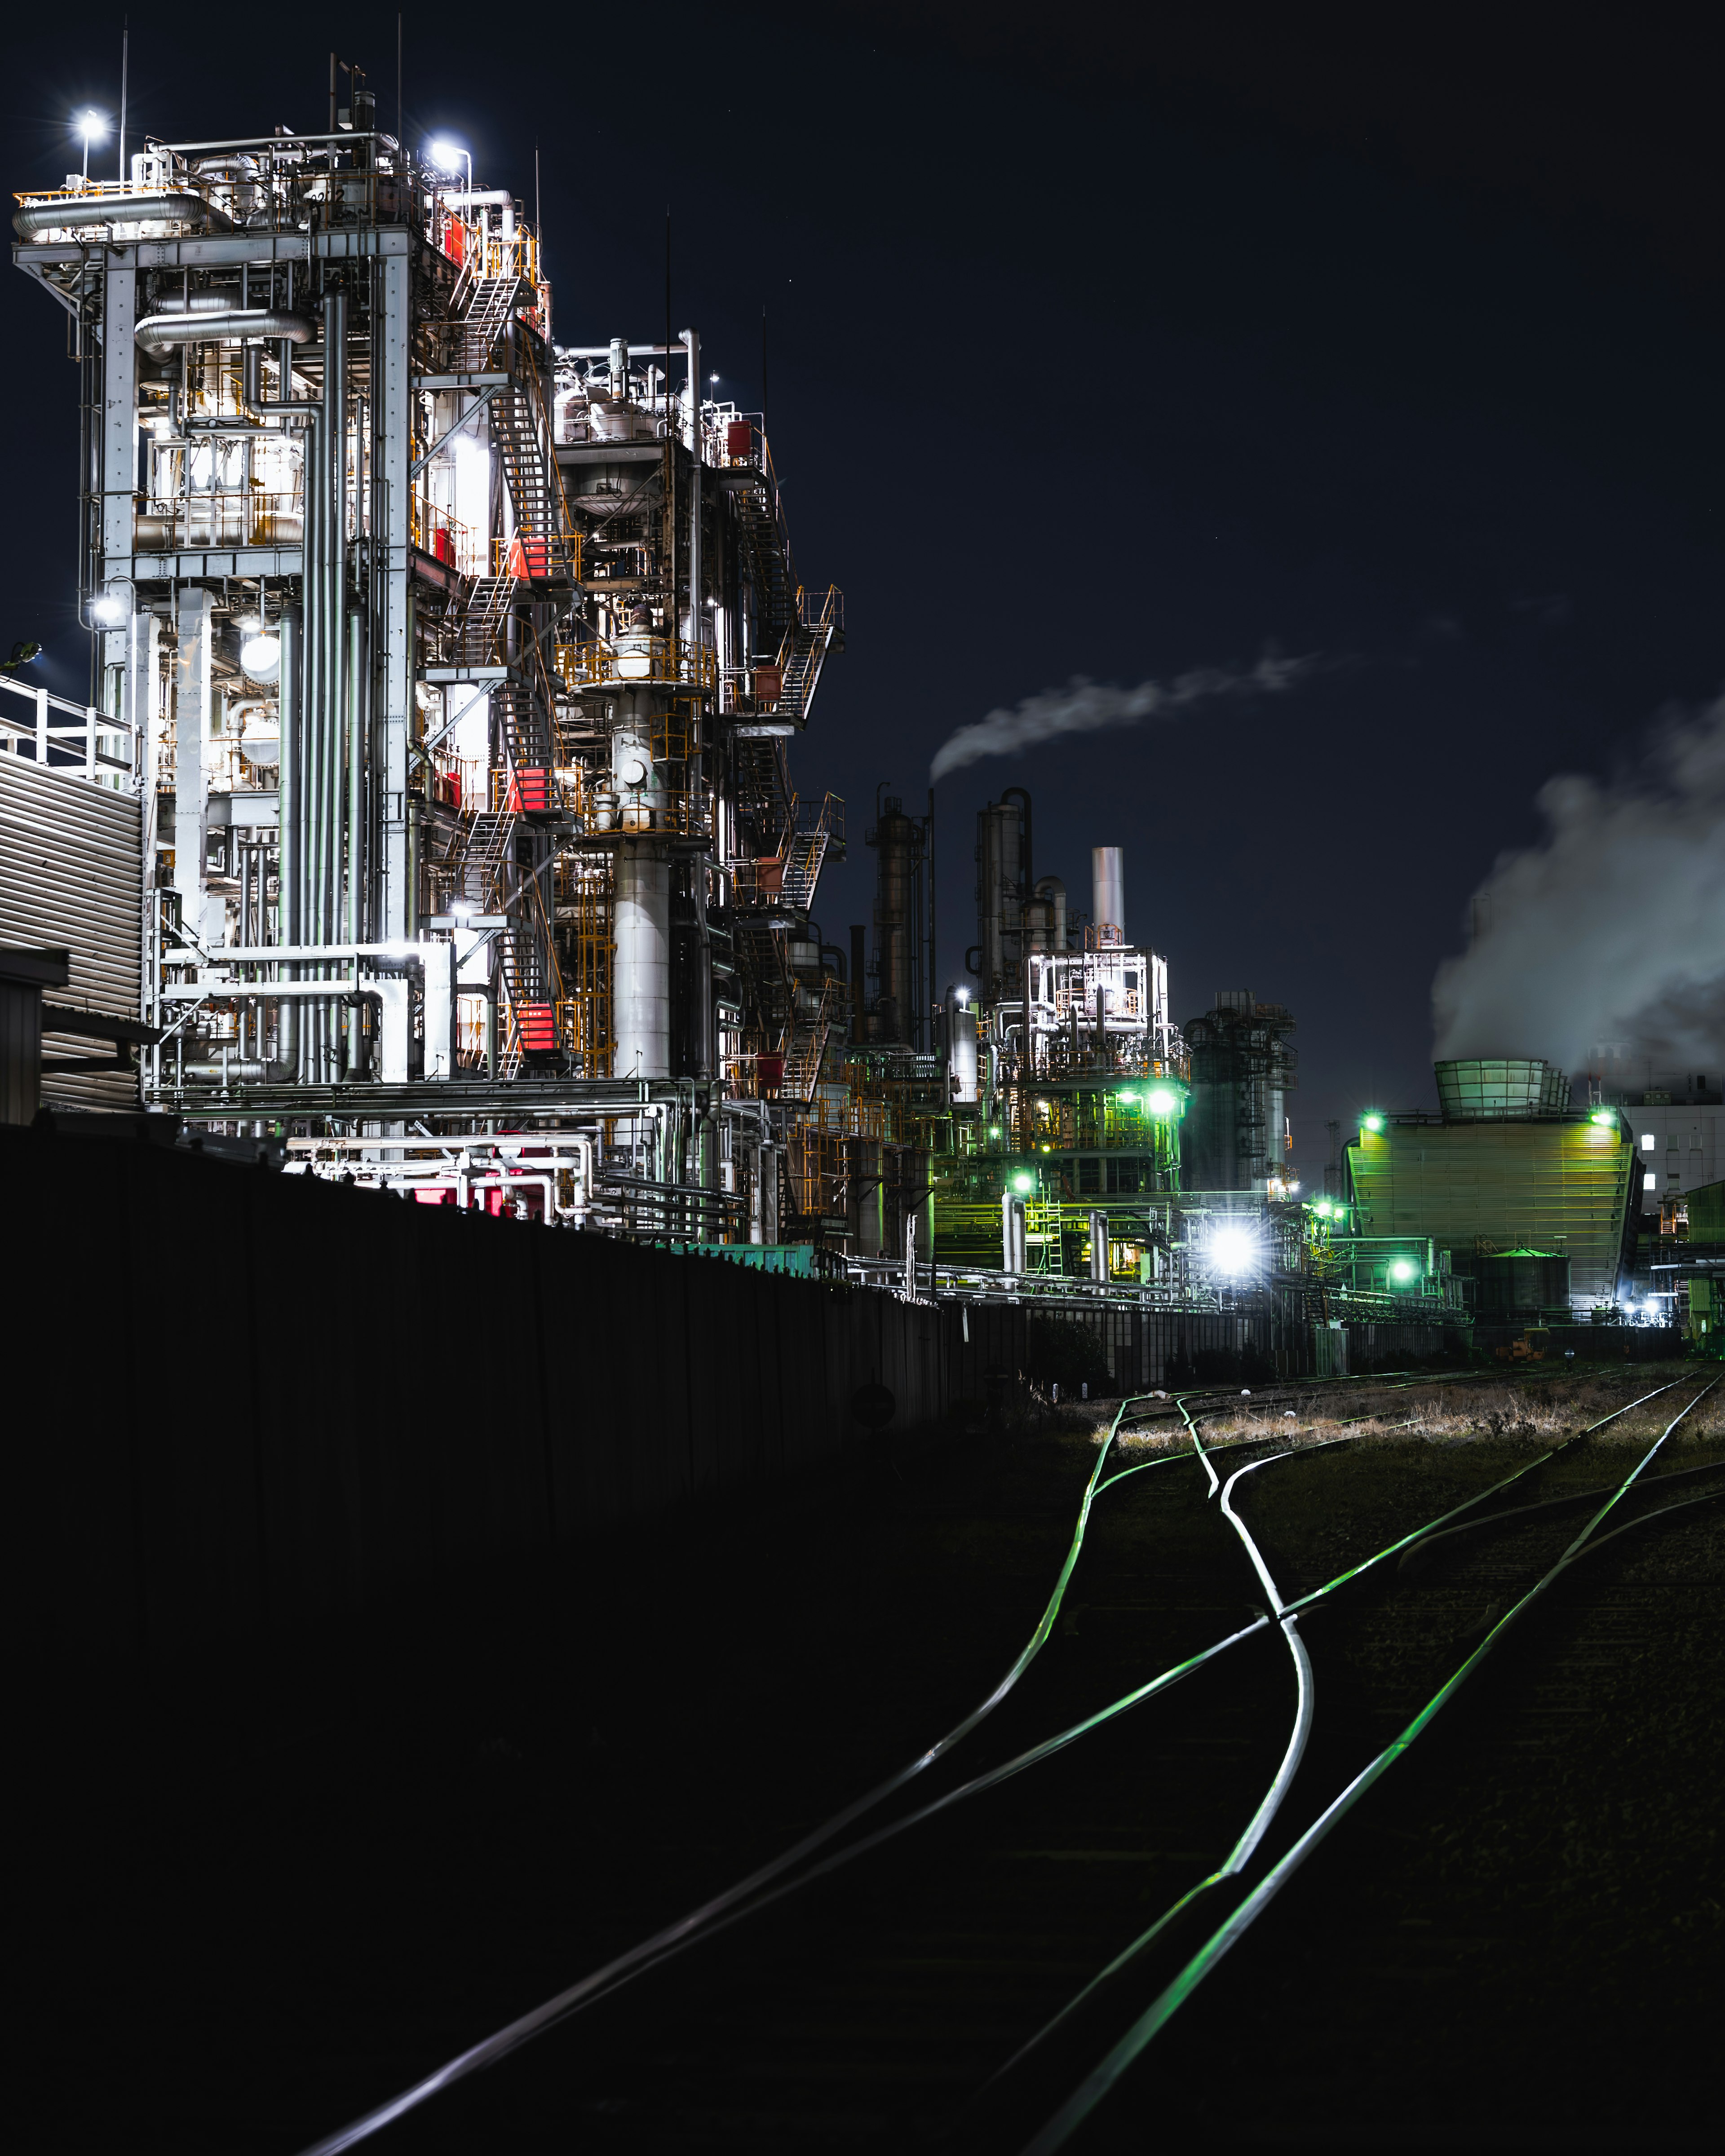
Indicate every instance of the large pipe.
{"type": "Point", "coordinates": [1107, 882]}
{"type": "Point", "coordinates": [159, 333]}
{"type": "Point", "coordinates": [158, 206]}
{"type": "Point", "coordinates": [691, 345]}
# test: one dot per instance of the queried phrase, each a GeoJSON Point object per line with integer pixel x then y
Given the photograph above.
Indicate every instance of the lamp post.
{"type": "Point", "coordinates": [92, 127]}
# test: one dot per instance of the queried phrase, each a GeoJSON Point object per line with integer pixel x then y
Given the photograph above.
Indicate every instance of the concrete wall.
{"type": "Point", "coordinates": [246, 1404]}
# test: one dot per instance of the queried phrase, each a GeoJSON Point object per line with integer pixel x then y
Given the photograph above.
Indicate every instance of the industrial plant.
{"type": "Point", "coordinates": [438, 825]}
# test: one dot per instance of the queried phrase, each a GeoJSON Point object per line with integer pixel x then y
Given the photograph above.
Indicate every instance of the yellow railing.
{"type": "Point", "coordinates": [689, 666]}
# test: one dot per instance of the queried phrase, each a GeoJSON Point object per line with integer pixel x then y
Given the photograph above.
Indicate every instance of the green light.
{"type": "Point", "coordinates": [1163, 1102]}
{"type": "Point", "coordinates": [993, 1130]}
{"type": "Point", "coordinates": [1128, 1100]}
{"type": "Point", "coordinates": [1024, 1183]}
{"type": "Point", "coordinates": [1402, 1269]}
{"type": "Point", "coordinates": [1606, 1117]}
{"type": "Point", "coordinates": [1373, 1123]}
{"type": "Point", "coordinates": [1323, 1208]}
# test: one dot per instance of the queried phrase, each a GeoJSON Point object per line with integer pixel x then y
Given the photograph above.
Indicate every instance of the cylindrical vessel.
{"type": "Point", "coordinates": [999, 896]}
{"type": "Point", "coordinates": [1107, 880]}
{"type": "Point", "coordinates": [962, 1050]}
{"type": "Point", "coordinates": [641, 999]}
{"type": "Point", "coordinates": [1051, 889]}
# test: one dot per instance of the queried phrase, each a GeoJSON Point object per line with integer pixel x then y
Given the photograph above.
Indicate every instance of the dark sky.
{"type": "Point", "coordinates": [1096, 351]}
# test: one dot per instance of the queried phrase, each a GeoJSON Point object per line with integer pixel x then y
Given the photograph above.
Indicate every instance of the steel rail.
{"type": "Point", "coordinates": [1230, 1867]}
{"type": "Point", "coordinates": [762, 1887]}
{"type": "Point", "coordinates": [1090, 2092]}
{"type": "Point", "coordinates": [1417, 1555]}
{"type": "Point", "coordinates": [746, 1893]}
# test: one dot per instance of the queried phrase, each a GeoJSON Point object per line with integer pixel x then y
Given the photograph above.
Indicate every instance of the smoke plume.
{"type": "Point", "coordinates": [1614, 927]}
{"type": "Point", "coordinates": [1084, 706]}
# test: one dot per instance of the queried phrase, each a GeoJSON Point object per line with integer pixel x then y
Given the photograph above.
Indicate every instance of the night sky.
{"type": "Point", "coordinates": [1095, 355]}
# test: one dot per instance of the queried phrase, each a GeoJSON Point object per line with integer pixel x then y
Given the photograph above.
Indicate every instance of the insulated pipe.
{"type": "Point", "coordinates": [290, 793]}
{"type": "Point", "coordinates": [159, 333]}
{"type": "Point", "coordinates": [358, 715]}
{"type": "Point", "coordinates": [691, 345]}
{"type": "Point", "coordinates": [160, 205]}
{"type": "Point", "coordinates": [333, 630]}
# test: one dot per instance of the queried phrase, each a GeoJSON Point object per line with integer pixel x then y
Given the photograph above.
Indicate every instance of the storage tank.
{"type": "Point", "coordinates": [1479, 1089]}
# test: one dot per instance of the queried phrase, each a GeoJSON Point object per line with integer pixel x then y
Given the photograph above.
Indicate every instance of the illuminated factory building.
{"type": "Point", "coordinates": [433, 822]}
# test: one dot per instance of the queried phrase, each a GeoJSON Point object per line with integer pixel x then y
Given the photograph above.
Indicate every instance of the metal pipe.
{"type": "Point", "coordinates": [158, 206]}
{"type": "Point", "coordinates": [289, 781]}
{"type": "Point", "coordinates": [691, 345]}
{"type": "Point", "coordinates": [333, 630]}
{"type": "Point", "coordinates": [358, 716]}
{"type": "Point", "coordinates": [159, 333]}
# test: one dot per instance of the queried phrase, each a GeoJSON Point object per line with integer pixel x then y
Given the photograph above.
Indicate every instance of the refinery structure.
{"type": "Point", "coordinates": [438, 819]}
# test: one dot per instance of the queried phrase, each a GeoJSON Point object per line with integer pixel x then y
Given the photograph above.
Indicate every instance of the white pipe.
{"type": "Point", "coordinates": [161, 206]}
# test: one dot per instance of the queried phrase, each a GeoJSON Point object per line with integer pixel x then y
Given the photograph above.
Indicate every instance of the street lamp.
{"type": "Point", "coordinates": [93, 128]}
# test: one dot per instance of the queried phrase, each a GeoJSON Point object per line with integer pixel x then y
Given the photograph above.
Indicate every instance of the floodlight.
{"type": "Point", "coordinates": [1402, 1269]}
{"type": "Point", "coordinates": [108, 608]}
{"type": "Point", "coordinates": [1372, 1123]}
{"type": "Point", "coordinates": [1232, 1250]}
{"type": "Point", "coordinates": [1128, 1100]}
{"type": "Point", "coordinates": [1605, 1116]}
{"type": "Point", "coordinates": [261, 657]}
{"type": "Point", "coordinates": [961, 997]}
{"type": "Point", "coordinates": [1162, 1102]}
{"type": "Point", "coordinates": [1024, 1183]}
{"type": "Point", "coordinates": [444, 154]}
{"type": "Point", "coordinates": [993, 1130]}
{"type": "Point", "coordinates": [92, 127]}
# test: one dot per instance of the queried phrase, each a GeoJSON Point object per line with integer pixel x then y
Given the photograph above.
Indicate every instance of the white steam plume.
{"type": "Point", "coordinates": [1084, 706]}
{"type": "Point", "coordinates": [1614, 927]}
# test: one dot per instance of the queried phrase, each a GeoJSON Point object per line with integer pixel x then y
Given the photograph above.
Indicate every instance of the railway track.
{"type": "Point", "coordinates": [963, 1956]}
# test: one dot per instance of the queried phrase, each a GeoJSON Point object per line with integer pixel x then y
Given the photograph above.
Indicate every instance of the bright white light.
{"type": "Point", "coordinates": [261, 657]}
{"type": "Point", "coordinates": [962, 997]}
{"type": "Point", "coordinates": [1402, 1269]}
{"type": "Point", "coordinates": [109, 607]}
{"type": "Point", "coordinates": [1232, 1251]}
{"type": "Point", "coordinates": [92, 126]}
{"type": "Point", "coordinates": [446, 155]}
{"type": "Point", "coordinates": [461, 909]}
{"type": "Point", "coordinates": [1163, 1102]}
{"type": "Point", "coordinates": [712, 377]}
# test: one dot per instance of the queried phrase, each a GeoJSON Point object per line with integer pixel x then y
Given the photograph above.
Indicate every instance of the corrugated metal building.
{"type": "Point", "coordinates": [71, 878]}
{"type": "Point", "coordinates": [1559, 1183]}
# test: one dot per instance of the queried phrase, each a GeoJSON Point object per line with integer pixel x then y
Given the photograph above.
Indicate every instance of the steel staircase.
{"type": "Point", "coordinates": [805, 647]}
{"type": "Point", "coordinates": [542, 547]}
{"type": "Point", "coordinates": [491, 302]}
{"type": "Point", "coordinates": [805, 1052]}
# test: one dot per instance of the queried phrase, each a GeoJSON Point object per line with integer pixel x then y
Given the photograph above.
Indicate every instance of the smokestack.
{"type": "Point", "coordinates": [1107, 885]}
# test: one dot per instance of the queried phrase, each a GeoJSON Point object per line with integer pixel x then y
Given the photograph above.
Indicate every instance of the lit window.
{"type": "Point", "coordinates": [1647, 1143]}
{"type": "Point", "coordinates": [1648, 1182]}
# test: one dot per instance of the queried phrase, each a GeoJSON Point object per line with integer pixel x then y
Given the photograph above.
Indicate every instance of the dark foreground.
{"type": "Point", "coordinates": [254, 1909]}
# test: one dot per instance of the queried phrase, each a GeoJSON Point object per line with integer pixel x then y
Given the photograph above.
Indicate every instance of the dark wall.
{"type": "Point", "coordinates": [249, 1404]}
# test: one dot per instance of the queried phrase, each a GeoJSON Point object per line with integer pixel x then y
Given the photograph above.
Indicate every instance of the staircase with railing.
{"type": "Point", "coordinates": [804, 1050]}
{"type": "Point", "coordinates": [819, 621]}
